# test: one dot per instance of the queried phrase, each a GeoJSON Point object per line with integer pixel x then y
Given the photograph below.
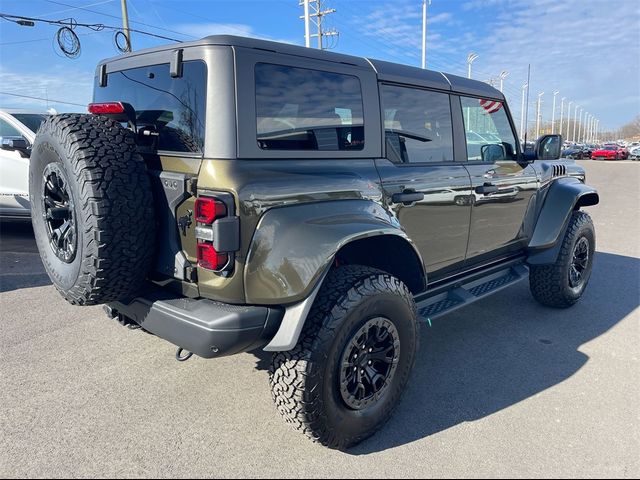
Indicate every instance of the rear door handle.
{"type": "Point", "coordinates": [407, 198]}
{"type": "Point", "coordinates": [486, 189]}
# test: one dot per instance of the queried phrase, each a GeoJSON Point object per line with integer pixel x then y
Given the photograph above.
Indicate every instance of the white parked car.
{"type": "Point", "coordinates": [634, 153]}
{"type": "Point", "coordinates": [17, 132]}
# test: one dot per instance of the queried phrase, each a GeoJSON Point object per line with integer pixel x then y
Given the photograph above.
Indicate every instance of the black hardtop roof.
{"type": "Point", "coordinates": [386, 71]}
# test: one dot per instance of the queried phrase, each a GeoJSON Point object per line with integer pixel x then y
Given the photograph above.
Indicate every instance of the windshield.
{"type": "Point", "coordinates": [30, 120]}
{"type": "Point", "coordinates": [609, 148]}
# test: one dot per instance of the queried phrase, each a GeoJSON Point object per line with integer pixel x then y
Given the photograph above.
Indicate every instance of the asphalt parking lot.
{"type": "Point", "coordinates": [503, 388]}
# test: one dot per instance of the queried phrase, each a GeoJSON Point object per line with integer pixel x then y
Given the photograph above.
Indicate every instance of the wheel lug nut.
{"type": "Point", "coordinates": [370, 350]}
{"type": "Point", "coordinates": [370, 362]}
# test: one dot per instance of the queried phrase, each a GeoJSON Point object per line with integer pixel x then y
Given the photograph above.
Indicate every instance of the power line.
{"type": "Point", "coordinates": [76, 8]}
{"type": "Point", "coordinates": [47, 39]}
{"type": "Point", "coordinates": [119, 18]}
{"type": "Point", "coordinates": [72, 24]}
{"type": "Point", "coordinates": [43, 99]}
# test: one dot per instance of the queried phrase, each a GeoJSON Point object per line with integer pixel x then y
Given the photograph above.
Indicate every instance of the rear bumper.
{"type": "Point", "coordinates": [205, 327]}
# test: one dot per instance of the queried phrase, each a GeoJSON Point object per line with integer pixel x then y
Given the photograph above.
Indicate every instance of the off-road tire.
{"type": "Point", "coordinates": [304, 381]}
{"type": "Point", "coordinates": [550, 284]}
{"type": "Point", "coordinates": [110, 191]}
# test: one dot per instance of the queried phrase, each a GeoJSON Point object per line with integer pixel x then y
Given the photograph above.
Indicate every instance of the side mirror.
{"type": "Point", "coordinates": [549, 147]}
{"type": "Point", "coordinates": [15, 144]}
{"type": "Point", "coordinates": [493, 152]}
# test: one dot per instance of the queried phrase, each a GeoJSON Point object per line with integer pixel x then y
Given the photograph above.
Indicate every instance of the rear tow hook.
{"type": "Point", "coordinates": [183, 358]}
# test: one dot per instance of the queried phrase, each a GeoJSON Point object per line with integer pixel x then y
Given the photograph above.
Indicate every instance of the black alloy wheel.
{"type": "Point", "coordinates": [59, 213]}
{"type": "Point", "coordinates": [369, 363]}
{"type": "Point", "coordinates": [579, 263]}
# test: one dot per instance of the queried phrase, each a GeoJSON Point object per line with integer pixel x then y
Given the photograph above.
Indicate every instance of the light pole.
{"type": "Point", "coordinates": [575, 121]}
{"type": "Point", "coordinates": [539, 115]}
{"type": "Point", "coordinates": [553, 112]}
{"type": "Point", "coordinates": [522, 114]}
{"type": "Point", "coordinates": [424, 32]}
{"type": "Point", "coordinates": [503, 74]}
{"type": "Point", "coordinates": [470, 58]}
{"type": "Point", "coordinates": [569, 120]}
{"type": "Point", "coordinates": [561, 112]}
{"type": "Point", "coordinates": [307, 37]}
{"type": "Point", "coordinates": [580, 125]}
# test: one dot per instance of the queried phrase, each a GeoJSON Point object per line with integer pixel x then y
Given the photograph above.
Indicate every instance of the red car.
{"type": "Point", "coordinates": [623, 151]}
{"type": "Point", "coordinates": [608, 152]}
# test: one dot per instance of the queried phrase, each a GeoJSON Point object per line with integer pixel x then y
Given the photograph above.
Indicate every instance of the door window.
{"type": "Point", "coordinates": [417, 125]}
{"type": "Point", "coordinates": [488, 131]}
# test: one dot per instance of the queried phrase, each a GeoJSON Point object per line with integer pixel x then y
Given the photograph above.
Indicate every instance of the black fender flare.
{"type": "Point", "coordinates": [565, 195]}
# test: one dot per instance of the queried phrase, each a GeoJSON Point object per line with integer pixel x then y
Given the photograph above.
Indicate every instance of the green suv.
{"type": "Point", "coordinates": [231, 194]}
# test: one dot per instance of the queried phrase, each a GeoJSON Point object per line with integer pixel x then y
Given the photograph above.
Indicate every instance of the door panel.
{"type": "Point", "coordinates": [502, 187]}
{"type": "Point", "coordinates": [499, 215]}
{"type": "Point", "coordinates": [439, 223]}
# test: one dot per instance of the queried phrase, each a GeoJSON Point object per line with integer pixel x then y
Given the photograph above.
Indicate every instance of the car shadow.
{"type": "Point", "coordinates": [20, 264]}
{"type": "Point", "coordinates": [500, 351]}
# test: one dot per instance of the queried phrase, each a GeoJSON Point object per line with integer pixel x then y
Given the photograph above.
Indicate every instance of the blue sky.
{"type": "Point", "coordinates": [589, 50]}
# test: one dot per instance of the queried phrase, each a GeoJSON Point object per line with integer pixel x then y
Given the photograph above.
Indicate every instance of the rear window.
{"type": "Point", "coordinates": [174, 107]}
{"type": "Point", "coordinates": [303, 109]}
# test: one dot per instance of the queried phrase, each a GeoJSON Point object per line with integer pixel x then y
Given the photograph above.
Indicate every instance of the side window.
{"type": "Point", "coordinates": [489, 134]}
{"type": "Point", "coordinates": [417, 125]}
{"type": "Point", "coordinates": [7, 130]}
{"type": "Point", "coordinates": [174, 107]}
{"type": "Point", "coordinates": [303, 109]}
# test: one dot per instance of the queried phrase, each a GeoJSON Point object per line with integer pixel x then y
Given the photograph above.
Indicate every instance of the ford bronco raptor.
{"type": "Point", "coordinates": [231, 194]}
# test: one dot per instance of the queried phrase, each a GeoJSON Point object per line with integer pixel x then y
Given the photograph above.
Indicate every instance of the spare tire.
{"type": "Point", "coordinates": [91, 208]}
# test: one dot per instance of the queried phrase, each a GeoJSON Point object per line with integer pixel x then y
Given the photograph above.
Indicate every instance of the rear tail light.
{"type": "Point", "coordinates": [209, 209]}
{"type": "Point", "coordinates": [106, 108]}
{"type": "Point", "coordinates": [210, 234]}
{"type": "Point", "coordinates": [210, 259]}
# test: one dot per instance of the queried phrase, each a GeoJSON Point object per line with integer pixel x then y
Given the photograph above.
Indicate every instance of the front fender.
{"type": "Point", "coordinates": [293, 246]}
{"type": "Point", "coordinates": [564, 196]}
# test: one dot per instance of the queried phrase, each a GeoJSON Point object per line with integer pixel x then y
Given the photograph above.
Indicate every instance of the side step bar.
{"type": "Point", "coordinates": [464, 293]}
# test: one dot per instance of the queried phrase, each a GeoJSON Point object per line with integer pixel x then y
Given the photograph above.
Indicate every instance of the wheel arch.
{"type": "Point", "coordinates": [565, 195]}
{"type": "Point", "coordinates": [294, 248]}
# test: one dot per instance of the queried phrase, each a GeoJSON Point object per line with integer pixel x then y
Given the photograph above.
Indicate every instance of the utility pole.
{"type": "Point", "coordinates": [561, 112]}
{"type": "Point", "coordinates": [313, 9]}
{"type": "Point", "coordinates": [125, 23]}
{"type": "Point", "coordinates": [538, 116]}
{"type": "Point", "coordinates": [522, 114]}
{"type": "Point", "coordinates": [553, 112]}
{"type": "Point", "coordinates": [424, 32]}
